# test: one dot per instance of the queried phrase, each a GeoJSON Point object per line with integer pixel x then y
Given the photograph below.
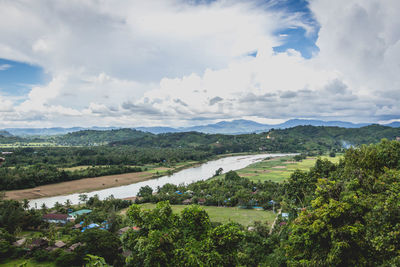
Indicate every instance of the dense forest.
{"type": "Point", "coordinates": [116, 151]}
{"type": "Point", "coordinates": [343, 214]}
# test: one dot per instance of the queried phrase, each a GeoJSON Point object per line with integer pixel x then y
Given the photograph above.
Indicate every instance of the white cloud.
{"type": "Point", "coordinates": [169, 62]}
{"type": "Point", "coordinates": [5, 67]}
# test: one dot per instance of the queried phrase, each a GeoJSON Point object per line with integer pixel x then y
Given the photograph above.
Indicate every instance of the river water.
{"type": "Point", "coordinates": [202, 172]}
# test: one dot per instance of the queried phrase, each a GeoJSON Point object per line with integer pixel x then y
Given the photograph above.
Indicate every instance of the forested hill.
{"type": "Point", "coordinates": [336, 136]}
{"type": "Point", "coordinates": [5, 133]}
{"type": "Point", "coordinates": [292, 139]}
{"type": "Point", "coordinates": [96, 137]}
{"type": "Point", "coordinates": [296, 139]}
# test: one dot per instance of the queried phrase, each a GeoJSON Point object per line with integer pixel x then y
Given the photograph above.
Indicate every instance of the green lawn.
{"type": "Point", "coordinates": [29, 263]}
{"type": "Point", "coordinates": [279, 169]}
{"type": "Point", "coordinates": [225, 214]}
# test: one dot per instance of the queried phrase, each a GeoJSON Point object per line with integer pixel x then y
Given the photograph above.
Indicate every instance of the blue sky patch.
{"type": "Point", "coordinates": [16, 78]}
{"type": "Point", "coordinates": [296, 38]}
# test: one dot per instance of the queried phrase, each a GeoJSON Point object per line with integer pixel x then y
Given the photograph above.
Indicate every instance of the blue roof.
{"type": "Point", "coordinates": [80, 212]}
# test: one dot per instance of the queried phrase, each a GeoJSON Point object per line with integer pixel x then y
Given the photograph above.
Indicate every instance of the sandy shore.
{"type": "Point", "coordinates": [78, 186]}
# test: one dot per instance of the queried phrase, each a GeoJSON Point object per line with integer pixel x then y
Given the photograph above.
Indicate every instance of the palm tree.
{"type": "Point", "coordinates": [25, 204]}
{"type": "Point", "coordinates": [68, 204]}
{"type": "Point", "coordinates": [44, 208]}
{"type": "Point", "coordinates": [83, 198]}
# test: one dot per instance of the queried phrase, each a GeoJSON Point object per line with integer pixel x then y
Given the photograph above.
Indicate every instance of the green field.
{"type": "Point", "coordinates": [225, 214]}
{"type": "Point", "coordinates": [28, 262]}
{"type": "Point", "coordinates": [279, 169]}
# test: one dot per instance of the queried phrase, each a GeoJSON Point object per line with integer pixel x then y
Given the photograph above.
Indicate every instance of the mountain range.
{"type": "Point", "coordinates": [223, 127]}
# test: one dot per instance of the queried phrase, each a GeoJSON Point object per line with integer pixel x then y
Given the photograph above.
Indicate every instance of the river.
{"type": "Point", "coordinates": [202, 172]}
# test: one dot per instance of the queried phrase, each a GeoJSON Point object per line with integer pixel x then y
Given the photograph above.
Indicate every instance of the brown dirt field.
{"type": "Point", "coordinates": [290, 162]}
{"type": "Point", "coordinates": [279, 167]}
{"type": "Point", "coordinates": [79, 186]}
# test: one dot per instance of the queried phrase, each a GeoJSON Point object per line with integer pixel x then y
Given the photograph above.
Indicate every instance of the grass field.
{"type": "Point", "coordinates": [19, 144]}
{"type": "Point", "coordinates": [279, 169]}
{"type": "Point", "coordinates": [29, 263]}
{"type": "Point", "coordinates": [225, 214]}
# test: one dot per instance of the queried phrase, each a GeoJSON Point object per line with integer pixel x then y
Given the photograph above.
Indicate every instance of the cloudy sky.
{"type": "Point", "coordinates": [191, 62]}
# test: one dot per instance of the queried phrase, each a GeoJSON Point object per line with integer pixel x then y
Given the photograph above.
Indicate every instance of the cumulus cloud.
{"type": "Point", "coordinates": [172, 62]}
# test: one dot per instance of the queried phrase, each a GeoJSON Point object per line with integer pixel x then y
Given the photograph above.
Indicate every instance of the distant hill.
{"type": "Point", "coordinates": [97, 137]}
{"type": "Point", "coordinates": [50, 131]}
{"type": "Point", "coordinates": [5, 134]}
{"type": "Point", "coordinates": [223, 127]}
{"type": "Point", "coordinates": [299, 138]}
{"type": "Point", "coordinates": [248, 126]}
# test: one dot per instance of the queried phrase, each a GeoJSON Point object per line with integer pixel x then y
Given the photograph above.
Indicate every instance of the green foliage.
{"type": "Point", "coordinates": [354, 218]}
{"type": "Point", "coordinates": [165, 239]}
{"type": "Point", "coordinates": [100, 243]}
{"type": "Point", "coordinates": [145, 191]}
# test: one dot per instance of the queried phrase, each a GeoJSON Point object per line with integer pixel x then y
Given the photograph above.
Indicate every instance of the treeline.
{"type": "Point", "coordinates": [41, 174]}
{"type": "Point", "coordinates": [225, 190]}
{"type": "Point", "coordinates": [104, 155]}
{"type": "Point", "coordinates": [97, 137]}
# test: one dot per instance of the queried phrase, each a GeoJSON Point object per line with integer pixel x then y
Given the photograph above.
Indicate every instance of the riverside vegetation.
{"type": "Point", "coordinates": [126, 150]}
{"type": "Point", "coordinates": [336, 214]}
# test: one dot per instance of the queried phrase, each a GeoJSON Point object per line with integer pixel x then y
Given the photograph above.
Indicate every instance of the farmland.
{"type": "Point", "coordinates": [279, 169]}
{"type": "Point", "coordinates": [227, 214]}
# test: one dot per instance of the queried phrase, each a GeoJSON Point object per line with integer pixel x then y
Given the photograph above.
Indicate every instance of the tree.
{"type": "Point", "coordinates": [354, 216]}
{"type": "Point", "coordinates": [100, 243]}
{"type": "Point", "coordinates": [145, 191]}
{"type": "Point", "coordinates": [232, 176]}
{"type": "Point", "coordinates": [218, 172]}
{"type": "Point", "coordinates": [194, 222]}
{"type": "Point", "coordinates": [83, 198]}
{"type": "Point", "coordinates": [95, 261]}
{"type": "Point", "coordinates": [25, 204]}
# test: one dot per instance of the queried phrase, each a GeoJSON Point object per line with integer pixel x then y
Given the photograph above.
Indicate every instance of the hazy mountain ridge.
{"type": "Point", "coordinates": [223, 127]}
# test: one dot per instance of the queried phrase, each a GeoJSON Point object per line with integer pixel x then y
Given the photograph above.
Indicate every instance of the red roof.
{"type": "Point", "coordinates": [55, 216]}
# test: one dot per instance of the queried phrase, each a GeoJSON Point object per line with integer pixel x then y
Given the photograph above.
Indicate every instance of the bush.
{"type": "Point", "coordinates": [41, 255]}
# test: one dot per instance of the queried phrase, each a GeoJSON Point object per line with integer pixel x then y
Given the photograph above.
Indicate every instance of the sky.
{"type": "Point", "coordinates": [193, 62]}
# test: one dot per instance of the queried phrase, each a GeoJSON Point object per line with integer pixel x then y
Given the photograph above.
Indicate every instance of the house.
{"type": "Point", "coordinates": [74, 246]}
{"type": "Point", "coordinates": [60, 244]}
{"type": "Point", "coordinates": [55, 218]}
{"type": "Point", "coordinates": [75, 214]}
{"type": "Point", "coordinates": [187, 201]}
{"type": "Point", "coordinates": [126, 229]}
{"type": "Point", "coordinates": [38, 243]}
{"type": "Point", "coordinates": [123, 230]}
{"type": "Point", "coordinates": [201, 201]}
{"type": "Point", "coordinates": [285, 216]}
{"type": "Point", "coordinates": [57, 245]}
{"type": "Point", "coordinates": [19, 242]}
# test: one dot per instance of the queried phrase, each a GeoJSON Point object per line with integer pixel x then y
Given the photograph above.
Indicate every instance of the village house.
{"type": "Point", "coordinates": [55, 218]}
{"type": "Point", "coordinates": [38, 243]}
{"type": "Point", "coordinates": [127, 228]}
{"type": "Point", "coordinates": [75, 214]}
{"type": "Point", "coordinates": [201, 201]}
{"type": "Point", "coordinates": [74, 246]}
{"type": "Point", "coordinates": [57, 245]}
{"type": "Point", "coordinates": [19, 242]}
{"type": "Point", "coordinates": [187, 201]}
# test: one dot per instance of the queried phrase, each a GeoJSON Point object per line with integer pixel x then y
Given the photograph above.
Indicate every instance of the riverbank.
{"type": "Point", "coordinates": [86, 185]}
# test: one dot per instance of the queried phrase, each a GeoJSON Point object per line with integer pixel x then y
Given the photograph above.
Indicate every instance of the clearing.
{"type": "Point", "coordinates": [279, 169]}
{"type": "Point", "coordinates": [226, 214]}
